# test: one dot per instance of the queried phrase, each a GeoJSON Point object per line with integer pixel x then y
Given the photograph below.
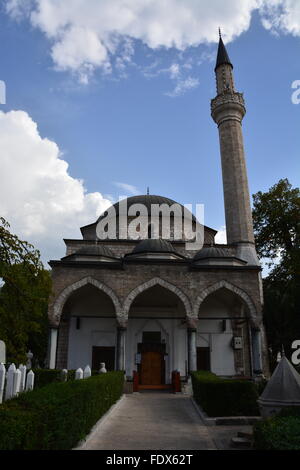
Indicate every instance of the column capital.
{"type": "Point", "coordinates": [122, 322]}
{"type": "Point", "coordinates": [191, 323]}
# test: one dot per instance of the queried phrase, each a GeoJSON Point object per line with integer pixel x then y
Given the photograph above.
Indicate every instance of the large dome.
{"type": "Point", "coordinates": [89, 232]}
{"type": "Point", "coordinates": [147, 200]}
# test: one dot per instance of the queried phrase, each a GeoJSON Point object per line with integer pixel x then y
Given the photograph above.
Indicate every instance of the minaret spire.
{"type": "Point", "coordinates": [222, 56]}
{"type": "Point", "coordinates": [228, 110]}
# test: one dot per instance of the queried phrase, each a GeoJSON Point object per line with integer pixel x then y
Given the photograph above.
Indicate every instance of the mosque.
{"type": "Point", "coordinates": [152, 305]}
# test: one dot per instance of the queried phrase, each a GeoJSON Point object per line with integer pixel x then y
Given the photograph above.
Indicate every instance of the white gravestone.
{"type": "Point", "coordinates": [79, 374]}
{"type": "Point", "coordinates": [2, 352]}
{"type": "Point", "coordinates": [10, 382]}
{"type": "Point", "coordinates": [30, 381]}
{"type": "Point", "coordinates": [17, 383]}
{"type": "Point", "coordinates": [2, 381]}
{"type": "Point", "coordinates": [23, 370]}
{"type": "Point", "coordinates": [29, 356]}
{"type": "Point", "coordinates": [87, 372]}
{"type": "Point", "coordinates": [102, 368]}
{"type": "Point", "coordinates": [64, 375]}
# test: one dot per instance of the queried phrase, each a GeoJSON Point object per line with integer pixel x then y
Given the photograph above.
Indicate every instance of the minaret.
{"type": "Point", "coordinates": [228, 110]}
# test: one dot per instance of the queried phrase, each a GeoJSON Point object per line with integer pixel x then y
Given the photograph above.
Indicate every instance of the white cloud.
{"type": "Point", "coordinates": [177, 73]}
{"type": "Point", "coordinates": [128, 188]}
{"type": "Point", "coordinates": [221, 237]}
{"type": "Point", "coordinates": [39, 198]}
{"type": "Point", "coordinates": [281, 16]}
{"type": "Point", "coordinates": [183, 85]}
{"type": "Point", "coordinates": [86, 35]}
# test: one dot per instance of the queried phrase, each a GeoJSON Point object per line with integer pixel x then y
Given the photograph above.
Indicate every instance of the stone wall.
{"type": "Point", "coordinates": [190, 283]}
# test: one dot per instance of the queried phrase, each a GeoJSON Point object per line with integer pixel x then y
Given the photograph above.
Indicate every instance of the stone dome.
{"type": "Point", "coordinates": [153, 245]}
{"type": "Point", "coordinates": [147, 200]}
{"type": "Point", "coordinates": [95, 250]}
{"type": "Point", "coordinates": [211, 252]}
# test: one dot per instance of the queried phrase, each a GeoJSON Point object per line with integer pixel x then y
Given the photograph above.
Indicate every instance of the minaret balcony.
{"type": "Point", "coordinates": [228, 104]}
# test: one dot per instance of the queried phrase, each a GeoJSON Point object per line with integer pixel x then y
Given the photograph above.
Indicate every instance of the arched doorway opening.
{"type": "Point", "coordinates": [156, 336]}
{"type": "Point", "coordinates": [87, 330]}
{"type": "Point", "coordinates": [223, 338]}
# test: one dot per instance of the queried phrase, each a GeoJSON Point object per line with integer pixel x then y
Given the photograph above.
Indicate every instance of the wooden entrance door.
{"type": "Point", "coordinates": [151, 368]}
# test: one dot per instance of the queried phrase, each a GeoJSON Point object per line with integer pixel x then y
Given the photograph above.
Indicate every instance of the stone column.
{"type": "Point", "coordinates": [121, 339]}
{"type": "Point", "coordinates": [192, 344]}
{"type": "Point", "coordinates": [256, 351]}
{"type": "Point", "coordinates": [52, 347]}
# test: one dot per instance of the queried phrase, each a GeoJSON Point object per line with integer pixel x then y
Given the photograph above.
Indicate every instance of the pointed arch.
{"type": "Point", "coordinates": [154, 282]}
{"type": "Point", "coordinates": [226, 285]}
{"type": "Point", "coordinates": [63, 296]}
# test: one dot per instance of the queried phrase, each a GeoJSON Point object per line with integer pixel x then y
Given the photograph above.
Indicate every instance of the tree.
{"type": "Point", "coordinates": [23, 295]}
{"type": "Point", "coordinates": [276, 219]}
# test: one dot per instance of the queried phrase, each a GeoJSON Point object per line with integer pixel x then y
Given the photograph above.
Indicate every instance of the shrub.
{"type": "Point", "coordinates": [279, 433]}
{"type": "Point", "coordinates": [290, 411]}
{"type": "Point", "coordinates": [59, 415]}
{"type": "Point", "coordinates": [261, 385]}
{"type": "Point", "coordinates": [44, 377]}
{"type": "Point", "coordinates": [224, 397]}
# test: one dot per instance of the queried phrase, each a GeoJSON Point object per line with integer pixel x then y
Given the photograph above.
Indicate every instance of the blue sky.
{"type": "Point", "coordinates": [140, 117]}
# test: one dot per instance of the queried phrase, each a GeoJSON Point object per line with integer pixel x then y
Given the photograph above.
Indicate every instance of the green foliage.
{"type": "Point", "coordinates": [279, 433]}
{"type": "Point", "coordinates": [59, 415]}
{"type": "Point", "coordinates": [261, 385]}
{"type": "Point", "coordinates": [43, 377]}
{"type": "Point", "coordinates": [276, 218]}
{"type": "Point", "coordinates": [23, 297]}
{"type": "Point", "coordinates": [224, 397]}
{"type": "Point", "coordinates": [290, 411]}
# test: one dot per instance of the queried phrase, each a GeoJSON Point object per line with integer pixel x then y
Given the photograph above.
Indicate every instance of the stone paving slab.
{"type": "Point", "coordinates": [222, 435]}
{"type": "Point", "coordinates": [152, 421]}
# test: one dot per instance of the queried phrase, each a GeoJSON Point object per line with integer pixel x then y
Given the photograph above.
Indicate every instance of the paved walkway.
{"type": "Point", "coordinates": [152, 420]}
{"type": "Point", "coordinates": [158, 421]}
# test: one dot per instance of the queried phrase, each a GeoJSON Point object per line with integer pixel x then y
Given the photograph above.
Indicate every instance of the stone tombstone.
{"type": "Point", "coordinates": [17, 382]}
{"type": "Point", "coordinates": [29, 356]}
{"type": "Point", "coordinates": [9, 390]}
{"type": "Point", "coordinates": [87, 372]}
{"type": "Point", "coordinates": [79, 374]}
{"type": "Point", "coordinates": [2, 352]}
{"type": "Point", "coordinates": [2, 381]}
{"type": "Point", "coordinates": [102, 368]}
{"type": "Point", "coordinates": [30, 381]}
{"type": "Point", "coordinates": [64, 375]}
{"type": "Point", "coordinates": [23, 370]}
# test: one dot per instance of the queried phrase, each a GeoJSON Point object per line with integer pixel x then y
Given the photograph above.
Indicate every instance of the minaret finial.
{"type": "Point", "coordinates": [222, 57]}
